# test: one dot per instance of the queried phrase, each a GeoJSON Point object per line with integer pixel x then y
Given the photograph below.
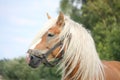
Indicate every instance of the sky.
{"type": "Point", "coordinates": [20, 20]}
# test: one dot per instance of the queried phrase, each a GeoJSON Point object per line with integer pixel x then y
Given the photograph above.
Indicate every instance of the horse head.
{"type": "Point", "coordinates": [47, 49]}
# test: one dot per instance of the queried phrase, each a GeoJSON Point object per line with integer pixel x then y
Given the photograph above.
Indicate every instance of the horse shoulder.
{"type": "Point", "coordinates": [112, 70]}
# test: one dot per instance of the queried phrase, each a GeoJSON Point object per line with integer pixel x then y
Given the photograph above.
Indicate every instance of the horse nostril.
{"type": "Point", "coordinates": [31, 57]}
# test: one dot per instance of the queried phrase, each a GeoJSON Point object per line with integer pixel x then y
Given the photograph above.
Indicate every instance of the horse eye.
{"type": "Point", "coordinates": [50, 35]}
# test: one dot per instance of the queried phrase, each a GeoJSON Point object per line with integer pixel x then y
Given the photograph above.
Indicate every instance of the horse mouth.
{"type": "Point", "coordinates": [33, 61]}
{"type": "Point", "coordinates": [34, 64]}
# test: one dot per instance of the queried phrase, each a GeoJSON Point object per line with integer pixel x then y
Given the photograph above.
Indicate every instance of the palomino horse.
{"type": "Point", "coordinates": [68, 44]}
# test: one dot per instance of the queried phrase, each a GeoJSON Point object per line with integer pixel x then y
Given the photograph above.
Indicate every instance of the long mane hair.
{"type": "Point", "coordinates": [79, 50]}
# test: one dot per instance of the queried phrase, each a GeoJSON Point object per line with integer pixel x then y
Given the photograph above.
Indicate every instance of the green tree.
{"type": "Point", "coordinates": [102, 18]}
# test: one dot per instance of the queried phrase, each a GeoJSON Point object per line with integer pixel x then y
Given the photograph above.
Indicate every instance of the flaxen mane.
{"type": "Point", "coordinates": [80, 48]}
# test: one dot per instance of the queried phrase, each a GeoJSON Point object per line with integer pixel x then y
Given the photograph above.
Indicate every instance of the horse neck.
{"type": "Point", "coordinates": [75, 71]}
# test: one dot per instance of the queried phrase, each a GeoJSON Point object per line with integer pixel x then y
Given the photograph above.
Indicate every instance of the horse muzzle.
{"type": "Point", "coordinates": [35, 57]}
{"type": "Point", "coordinates": [32, 58]}
{"type": "Point", "coordinates": [33, 61]}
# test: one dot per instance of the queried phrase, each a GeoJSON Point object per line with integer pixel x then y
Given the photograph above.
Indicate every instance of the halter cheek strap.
{"type": "Point", "coordinates": [43, 57]}
{"type": "Point", "coordinates": [47, 63]}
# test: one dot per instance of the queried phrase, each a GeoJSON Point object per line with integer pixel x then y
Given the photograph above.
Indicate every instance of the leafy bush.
{"type": "Point", "coordinates": [17, 69]}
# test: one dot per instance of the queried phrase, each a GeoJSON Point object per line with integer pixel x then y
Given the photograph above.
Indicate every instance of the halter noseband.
{"type": "Point", "coordinates": [43, 57]}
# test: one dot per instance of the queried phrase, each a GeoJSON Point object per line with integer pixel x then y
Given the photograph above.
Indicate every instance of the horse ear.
{"type": "Point", "coordinates": [48, 16]}
{"type": "Point", "coordinates": [60, 19]}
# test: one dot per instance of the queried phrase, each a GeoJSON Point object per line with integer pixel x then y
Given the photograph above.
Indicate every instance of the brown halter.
{"type": "Point", "coordinates": [43, 57]}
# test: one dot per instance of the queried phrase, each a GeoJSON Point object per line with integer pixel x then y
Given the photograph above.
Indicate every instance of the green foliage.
{"type": "Point", "coordinates": [102, 17]}
{"type": "Point", "coordinates": [17, 69]}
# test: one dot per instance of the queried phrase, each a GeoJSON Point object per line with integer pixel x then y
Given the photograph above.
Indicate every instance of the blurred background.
{"type": "Point", "coordinates": [20, 20]}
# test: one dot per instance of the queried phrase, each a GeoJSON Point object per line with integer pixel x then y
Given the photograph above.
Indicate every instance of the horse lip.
{"type": "Point", "coordinates": [28, 58]}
